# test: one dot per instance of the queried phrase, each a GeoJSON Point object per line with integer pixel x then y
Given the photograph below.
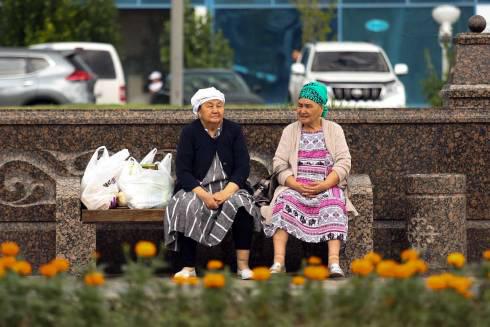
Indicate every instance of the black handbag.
{"type": "Point", "coordinates": [263, 190]}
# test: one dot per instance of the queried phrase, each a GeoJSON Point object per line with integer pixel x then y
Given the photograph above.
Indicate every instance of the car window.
{"type": "Point", "coordinates": [76, 60]}
{"type": "Point", "coordinates": [100, 62]}
{"type": "Point", "coordinates": [36, 64]}
{"type": "Point", "coordinates": [346, 61]}
{"type": "Point", "coordinates": [223, 81]}
{"type": "Point", "coordinates": [10, 66]}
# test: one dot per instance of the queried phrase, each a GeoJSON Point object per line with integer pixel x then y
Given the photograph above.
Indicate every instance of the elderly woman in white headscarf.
{"type": "Point", "coordinates": [212, 166]}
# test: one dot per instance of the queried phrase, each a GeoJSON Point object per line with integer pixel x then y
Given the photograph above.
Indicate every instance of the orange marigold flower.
{"type": "Point", "coordinates": [22, 267]}
{"type": "Point", "coordinates": [95, 278]}
{"type": "Point", "coordinates": [298, 280]}
{"type": "Point", "coordinates": [460, 284]}
{"type": "Point", "coordinates": [409, 255]}
{"type": "Point", "coordinates": [456, 259]}
{"type": "Point", "coordinates": [214, 280]}
{"type": "Point", "coordinates": [145, 249]}
{"type": "Point", "coordinates": [179, 280]}
{"type": "Point", "coordinates": [193, 281]}
{"type": "Point", "coordinates": [7, 262]}
{"type": "Point", "coordinates": [314, 261]}
{"type": "Point", "coordinates": [215, 265]}
{"type": "Point", "coordinates": [405, 270]}
{"type": "Point", "coordinates": [386, 268]}
{"type": "Point", "coordinates": [486, 254]}
{"type": "Point", "coordinates": [316, 272]}
{"type": "Point", "coordinates": [61, 264]}
{"type": "Point", "coordinates": [261, 273]}
{"type": "Point", "coordinates": [374, 257]}
{"type": "Point", "coordinates": [421, 266]}
{"type": "Point", "coordinates": [436, 282]}
{"type": "Point", "coordinates": [9, 248]}
{"type": "Point", "coordinates": [361, 267]}
{"type": "Point", "coordinates": [48, 270]}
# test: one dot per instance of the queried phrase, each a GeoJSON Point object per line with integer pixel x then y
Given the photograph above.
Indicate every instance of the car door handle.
{"type": "Point", "coordinates": [28, 83]}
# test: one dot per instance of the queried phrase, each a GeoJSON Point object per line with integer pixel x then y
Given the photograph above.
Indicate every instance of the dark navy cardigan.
{"type": "Point", "coordinates": [196, 151]}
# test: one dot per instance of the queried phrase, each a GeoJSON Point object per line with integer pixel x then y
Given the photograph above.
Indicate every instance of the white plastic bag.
{"type": "Point", "coordinates": [148, 159]}
{"type": "Point", "coordinates": [99, 183]}
{"type": "Point", "coordinates": [147, 188]}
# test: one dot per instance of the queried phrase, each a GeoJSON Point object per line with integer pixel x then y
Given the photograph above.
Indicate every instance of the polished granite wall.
{"type": "Point", "coordinates": [39, 147]}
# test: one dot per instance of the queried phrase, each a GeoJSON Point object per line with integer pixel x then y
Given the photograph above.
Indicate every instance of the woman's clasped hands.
{"type": "Point", "coordinates": [311, 189]}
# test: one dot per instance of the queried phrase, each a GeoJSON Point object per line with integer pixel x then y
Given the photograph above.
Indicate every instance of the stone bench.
{"type": "Point", "coordinates": [76, 229]}
{"type": "Point", "coordinates": [83, 241]}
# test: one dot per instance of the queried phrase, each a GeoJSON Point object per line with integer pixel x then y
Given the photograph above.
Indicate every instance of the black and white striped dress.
{"type": "Point", "coordinates": [188, 214]}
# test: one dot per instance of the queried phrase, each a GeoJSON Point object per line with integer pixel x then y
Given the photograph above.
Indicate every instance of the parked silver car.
{"type": "Point", "coordinates": [34, 77]}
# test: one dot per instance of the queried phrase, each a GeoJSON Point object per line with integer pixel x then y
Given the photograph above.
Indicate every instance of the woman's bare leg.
{"type": "Point", "coordinates": [280, 239]}
{"type": "Point", "coordinates": [333, 252]}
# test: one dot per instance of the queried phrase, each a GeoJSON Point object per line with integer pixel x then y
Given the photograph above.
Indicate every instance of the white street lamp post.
{"type": "Point", "coordinates": [445, 15]}
{"type": "Point", "coordinates": [177, 52]}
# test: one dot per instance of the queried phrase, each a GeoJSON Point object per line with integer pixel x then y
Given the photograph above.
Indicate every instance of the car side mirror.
{"type": "Point", "coordinates": [401, 69]}
{"type": "Point", "coordinates": [298, 68]}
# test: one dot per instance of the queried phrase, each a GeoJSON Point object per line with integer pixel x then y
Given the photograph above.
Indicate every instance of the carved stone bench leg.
{"type": "Point", "coordinates": [74, 241]}
{"type": "Point", "coordinates": [360, 234]}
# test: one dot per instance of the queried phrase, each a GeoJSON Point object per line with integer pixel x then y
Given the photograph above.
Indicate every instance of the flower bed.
{"type": "Point", "coordinates": [381, 293]}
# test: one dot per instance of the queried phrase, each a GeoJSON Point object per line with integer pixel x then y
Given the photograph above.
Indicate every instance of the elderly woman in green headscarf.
{"type": "Point", "coordinates": [313, 162]}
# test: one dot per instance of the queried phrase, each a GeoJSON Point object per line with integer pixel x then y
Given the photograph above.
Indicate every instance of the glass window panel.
{"type": "Point", "coordinates": [10, 66]}
{"type": "Point", "coordinates": [263, 41]}
{"type": "Point", "coordinates": [155, 2]}
{"type": "Point", "coordinates": [136, 3]}
{"type": "Point", "coordinates": [410, 31]}
{"type": "Point", "coordinates": [36, 64]}
{"type": "Point", "coordinates": [283, 2]}
{"type": "Point", "coordinates": [100, 62]}
{"type": "Point", "coordinates": [241, 2]}
{"type": "Point", "coordinates": [126, 2]}
{"type": "Point", "coordinates": [442, 1]}
{"type": "Point", "coordinates": [373, 1]}
{"type": "Point", "coordinates": [349, 61]}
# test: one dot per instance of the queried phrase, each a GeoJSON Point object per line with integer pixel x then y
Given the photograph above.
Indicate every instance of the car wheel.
{"type": "Point", "coordinates": [42, 102]}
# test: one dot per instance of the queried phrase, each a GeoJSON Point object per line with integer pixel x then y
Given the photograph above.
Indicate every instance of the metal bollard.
{"type": "Point", "coordinates": [436, 223]}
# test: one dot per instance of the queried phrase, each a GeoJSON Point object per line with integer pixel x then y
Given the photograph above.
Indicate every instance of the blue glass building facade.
{"type": "Point", "coordinates": [263, 34]}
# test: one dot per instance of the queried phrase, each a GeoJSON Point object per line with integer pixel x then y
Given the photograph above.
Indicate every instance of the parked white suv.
{"type": "Point", "coordinates": [104, 61]}
{"type": "Point", "coordinates": [356, 74]}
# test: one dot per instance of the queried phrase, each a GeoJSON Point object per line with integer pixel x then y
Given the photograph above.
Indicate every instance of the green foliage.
{"type": "Point", "coordinates": [37, 21]}
{"type": "Point", "coordinates": [203, 47]}
{"type": "Point", "coordinates": [433, 83]}
{"type": "Point", "coordinates": [139, 298]}
{"type": "Point", "coordinates": [316, 22]}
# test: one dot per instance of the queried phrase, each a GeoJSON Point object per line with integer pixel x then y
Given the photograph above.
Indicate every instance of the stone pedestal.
{"type": "Point", "coordinates": [469, 82]}
{"type": "Point", "coordinates": [436, 223]}
{"type": "Point", "coordinates": [360, 235]}
{"type": "Point", "coordinates": [74, 241]}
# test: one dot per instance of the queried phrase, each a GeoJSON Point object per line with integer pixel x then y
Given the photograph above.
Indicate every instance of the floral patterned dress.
{"type": "Point", "coordinates": [317, 219]}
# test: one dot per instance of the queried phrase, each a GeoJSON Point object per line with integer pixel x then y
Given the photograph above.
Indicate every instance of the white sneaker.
{"type": "Point", "coordinates": [245, 274]}
{"type": "Point", "coordinates": [186, 273]}
{"type": "Point", "coordinates": [277, 268]}
{"type": "Point", "coordinates": [335, 271]}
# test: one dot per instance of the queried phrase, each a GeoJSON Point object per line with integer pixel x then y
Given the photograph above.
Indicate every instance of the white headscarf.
{"type": "Point", "coordinates": [203, 95]}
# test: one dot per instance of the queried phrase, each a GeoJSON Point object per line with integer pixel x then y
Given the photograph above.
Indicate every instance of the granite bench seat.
{"type": "Point", "coordinates": [360, 230]}
{"type": "Point", "coordinates": [122, 215]}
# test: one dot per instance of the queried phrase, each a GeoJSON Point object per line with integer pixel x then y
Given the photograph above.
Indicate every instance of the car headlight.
{"type": "Point", "coordinates": [393, 88]}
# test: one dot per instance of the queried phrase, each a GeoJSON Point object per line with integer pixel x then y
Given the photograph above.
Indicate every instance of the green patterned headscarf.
{"type": "Point", "coordinates": [316, 92]}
